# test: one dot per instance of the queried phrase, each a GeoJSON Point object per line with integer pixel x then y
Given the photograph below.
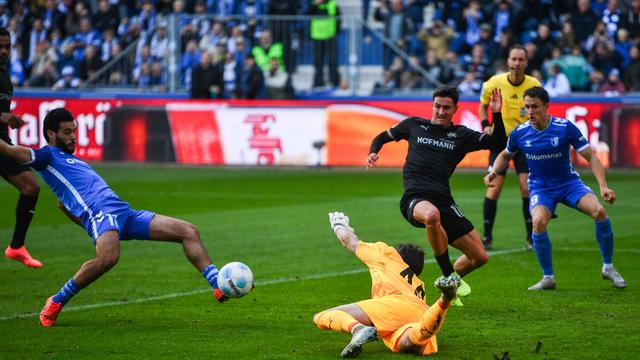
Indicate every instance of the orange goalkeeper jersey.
{"type": "Point", "coordinates": [389, 273]}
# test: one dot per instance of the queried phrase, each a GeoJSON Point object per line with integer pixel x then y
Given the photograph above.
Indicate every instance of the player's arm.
{"type": "Point", "coordinates": [483, 110]}
{"type": "Point", "coordinates": [499, 165]}
{"type": "Point", "coordinates": [12, 120]}
{"type": "Point", "coordinates": [19, 153]}
{"type": "Point", "coordinates": [73, 218]}
{"type": "Point", "coordinates": [598, 170]}
{"type": "Point", "coordinates": [498, 138]}
{"type": "Point", "coordinates": [340, 226]}
{"type": "Point", "coordinates": [376, 145]}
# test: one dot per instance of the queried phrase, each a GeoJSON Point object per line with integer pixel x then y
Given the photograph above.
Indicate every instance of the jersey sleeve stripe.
{"type": "Point", "coordinates": [583, 147]}
{"type": "Point", "coordinates": [390, 134]}
{"type": "Point", "coordinates": [33, 157]}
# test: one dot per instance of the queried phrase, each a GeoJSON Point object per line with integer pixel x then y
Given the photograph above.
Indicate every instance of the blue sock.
{"type": "Point", "coordinates": [67, 292]}
{"type": "Point", "coordinates": [604, 235]}
{"type": "Point", "coordinates": [211, 274]}
{"type": "Point", "coordinates": [542, 246]}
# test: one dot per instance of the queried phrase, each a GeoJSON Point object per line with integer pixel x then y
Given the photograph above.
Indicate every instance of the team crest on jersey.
{"type": "Point", "coordinates": [555, 141]}
{"type": "Point", "coordinates": [527, 143]}
{"type": "Point", "coordinates": [451, 135]}
{"type": "Point", "coordinates": [424, 127]}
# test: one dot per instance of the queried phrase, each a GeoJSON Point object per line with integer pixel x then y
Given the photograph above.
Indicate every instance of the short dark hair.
{"type": "Point", "coordinates": [4, 32]}
{"type": "Point", "coordinates": [54, 118]}
{"type": "Point", "coordinates": [412, 255]}
{"type": "Point", "coordinates": [518, 47]}
{"type": "Point", "coordinates": [447, 91]}
{"type": "Point", "coordinates": [538, 92]}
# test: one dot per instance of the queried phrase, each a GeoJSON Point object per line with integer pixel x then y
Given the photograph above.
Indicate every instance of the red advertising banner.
{"type": "Point", "coordinates": [289, 132]}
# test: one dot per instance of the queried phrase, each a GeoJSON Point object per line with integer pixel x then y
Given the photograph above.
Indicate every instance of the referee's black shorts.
{"type": "Point", "coordinates": [452, 219]}
{"type": "Point", "coordinates": [9, 166]}
{"type": "Point", "coordinates": [519, 162]}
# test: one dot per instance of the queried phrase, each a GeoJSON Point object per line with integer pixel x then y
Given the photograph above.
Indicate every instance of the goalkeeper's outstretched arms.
{"type": "Point", "coordinates": [340, 225]}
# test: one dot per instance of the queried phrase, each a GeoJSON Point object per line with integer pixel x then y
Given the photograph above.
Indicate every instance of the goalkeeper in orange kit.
{"type": "Point", "coordinates": [397, 312]}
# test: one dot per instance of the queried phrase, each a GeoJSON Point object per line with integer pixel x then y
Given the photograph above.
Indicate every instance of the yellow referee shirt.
{"type": "Point", "coordinates": [513, 112]}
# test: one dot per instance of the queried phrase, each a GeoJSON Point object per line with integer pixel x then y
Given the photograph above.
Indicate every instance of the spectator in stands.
{"type": "Point", "coordinates": [215, 35]}
{"type": "Point", "coordinates": [202, 79]}
{"type": "Point", "coordinates": [252, 82]}
{"type": "Point", "coordinates": [235, 35]}
{"type": "Point", "coordinates": [190, 58]}
{"type": "Point", "coordinates": [45, 78]}
{"type": "Point", "coordinates": [324, 32]}
{"type": "Point", "coordinates": [408, 81]}
{"type": "Point", "coordinates": [584, 20]}
{"type": "Point", "coordinates": [451, 65]}
{"type": "Point", "coordinates": [51, 17]}
{"type": "Point", "coordinates": [472, 17]}
{"type": "Point", "coordinates": [231, 73]}
{"type": "Point", "coordinates": [567, 40]}
{"type": "Point", "coordinates": [5, 14]}
{"type": "Point", "coordinates": [489, 45]}
{"type": "Point", "coordinates": [477, 63]}
{"type": "Point", "coordinates": [504, 44]}
{"type": "Point", "coordinates": [596, 79]}
{"type": "Point", "coordinates": [283, 30]}
{"type": "Point", "coordinates": [398, 27]}
{"type": "Point", "coordinates": [576, 67]}
{"type": "Point", "coordinates": [108, 42]}
{"type": "Point", "coordinates": [85, 36]}
{"type": "Point", "coordinates": [68, 80]}
{"type": "Point", "coordinates": [250, 9]}
{"type": "Point", "coordinates": [599, 36]}
{"type": "Point", "coordinates": [557, 84]}
{"type": "Point", "coordinates": [160, 43]}
{"type": "Point", "coordinates": [277, 81]}
{"type": "Point", "coordinates": [502, 18]}
{"type": "Point", "coordinates": [266, 50]}
{"type": "Point", "coordinates": [147, 18]}
{"type": "Point", "coordinates": [436, 38]}
{"type": "Point", "coordinates": [106, 18]}
{"type": "Point", "coordinates": [433, 66]}
{"type": "Point", "coordinates": [543, 41]}
{"type": "Point", "coordinates": [611, 17]}
{"type": "Point", "coordinates": [72, 19]}
{"type": "Point", "coordinates": [470, 85]}
{"type": "Point", "coordinates": [534, 59]}
{"type": "Point", "coordinates": [143, 78]}
{"type": "Point", "coordinates": [623, 47]}
{"type": "Point", "coordinates": [157, 76]}
{"type": "Point", "coordinates": [37, 35]}
{"type": "Point", "coordinates": [389, 82]}
{"type": "Point", "coordinates": [604, 58]}
{"type": "Point", "coordinates": [67, 58]}
{"type": "Point", "coordinates": [631, 21]}
{"type": "Point", "coordinates": [613, 86]}
{"type": "Point", "coordinates": [17, 71]}
{"type": "Point", "coordinates": [116, 78]}
{"type": "Point", "coordinates": [632, 71]}
{"type": "Point", "coordinates": [90, 63]}
{"type": "Point", "coordinates": [201, 22]}
{"type": "Point", "coordinates": [556, 54]}
{"type": "Point", "coordinates": [44, 56]}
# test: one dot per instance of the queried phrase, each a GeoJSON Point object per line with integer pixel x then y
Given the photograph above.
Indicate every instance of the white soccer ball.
{"type": "Point", "coordinates": [235, 279]}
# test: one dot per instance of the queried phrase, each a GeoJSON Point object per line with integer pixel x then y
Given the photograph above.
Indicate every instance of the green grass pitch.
{"type": "Point", "coordinates": [153, 304]}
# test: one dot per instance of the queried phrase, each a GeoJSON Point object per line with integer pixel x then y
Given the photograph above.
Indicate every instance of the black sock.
{"type": "Point", "coordinates": [445, 263]}
{"type": "Point", "coordinates": [24, 213]}
{"type": "Point", "coordinates": [489, 213]}
{"type": "Point", "coordinates": [527, 216]}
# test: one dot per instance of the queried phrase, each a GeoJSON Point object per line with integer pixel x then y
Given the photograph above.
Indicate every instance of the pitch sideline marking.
{"type": "Point", "coordinates": [200, 291]}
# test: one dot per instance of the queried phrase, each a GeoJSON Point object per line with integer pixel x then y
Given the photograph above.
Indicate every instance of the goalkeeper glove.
{"type": "Point", "coordinates": [339, 220]}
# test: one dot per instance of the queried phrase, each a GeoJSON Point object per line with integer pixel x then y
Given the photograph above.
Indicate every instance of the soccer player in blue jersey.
{"type": "Point", "coordinates": [87, 199]}
{"type": "Point", "coordinates": [545, 141]}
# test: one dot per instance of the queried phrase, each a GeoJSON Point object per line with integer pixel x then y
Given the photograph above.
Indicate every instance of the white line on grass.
{"type": "Point", "coordinates": [200, 291]}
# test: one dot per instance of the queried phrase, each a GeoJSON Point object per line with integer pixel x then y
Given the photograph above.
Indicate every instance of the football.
{"type": "Point", "coordinates": [235, 279]}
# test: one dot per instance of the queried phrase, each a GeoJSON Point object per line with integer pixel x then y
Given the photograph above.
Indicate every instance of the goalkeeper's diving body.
{"type": "Point", "coordinates": [397, 312]}
{"type": "Point", "coordinates": [436, 147]}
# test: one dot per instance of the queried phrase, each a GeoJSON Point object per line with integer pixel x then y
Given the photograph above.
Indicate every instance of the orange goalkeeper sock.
{"type": "Point", "coordinates": [335, 320]}
{"type": "Point", "coordinates": [429, 326]}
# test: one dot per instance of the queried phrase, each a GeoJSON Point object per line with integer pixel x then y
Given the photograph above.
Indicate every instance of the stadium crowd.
{"type": "Point", "coordinates": [573, 46]}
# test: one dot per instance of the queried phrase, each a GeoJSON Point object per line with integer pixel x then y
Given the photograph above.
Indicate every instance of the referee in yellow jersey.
{"type": "Point", "coordinates": [513, 84]}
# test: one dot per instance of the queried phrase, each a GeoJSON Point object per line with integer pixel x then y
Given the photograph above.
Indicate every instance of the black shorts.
{"type": "Point", "coordinates": [451, 218]}
{"type": "Point", "coordinates": [519, 161]}
{"type": "Point", "coordinates": [9, 167]}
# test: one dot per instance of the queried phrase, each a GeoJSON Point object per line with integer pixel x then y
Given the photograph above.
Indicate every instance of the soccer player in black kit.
{"type": "Point", "coordinates": [436, 147]}
{"type": "Point", "coordinates": [18, 175]}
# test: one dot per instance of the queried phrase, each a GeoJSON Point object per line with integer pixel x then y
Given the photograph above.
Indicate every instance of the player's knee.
{"type": "Point", "coordinates": [480, 259]}
{"type": "Point", "coordinates": [190, 232]}
{"type": "Point", "coordinates": [30, 189]}
{"type": "Point", "coordinates": [599, 213]}
{"type": "Point", "coordinates": [539, 225]}
{"type": "Point", "coordinates": [107, 261]}
{"type": "Point", "coordinates": [431, 217]}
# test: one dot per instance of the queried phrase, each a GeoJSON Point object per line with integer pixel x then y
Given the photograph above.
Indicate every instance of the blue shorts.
{"type": "Point", "coordinates": [568, 194]}
{"type": "Point", "coordinates": [130, 224]}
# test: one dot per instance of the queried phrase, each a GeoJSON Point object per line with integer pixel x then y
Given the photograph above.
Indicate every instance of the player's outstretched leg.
{"type": "Point", "coordinates": [348, 318]}
{"type": "Point", "coordinates": [29, 189]}
{"type": "Point", "coordinates": [165, 228]}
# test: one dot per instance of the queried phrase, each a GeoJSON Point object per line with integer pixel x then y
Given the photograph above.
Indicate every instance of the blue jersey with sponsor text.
{"type": "Point", "coordinates": [78, 187]}
{"type": "Point", "coordinates": [547, 151]}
